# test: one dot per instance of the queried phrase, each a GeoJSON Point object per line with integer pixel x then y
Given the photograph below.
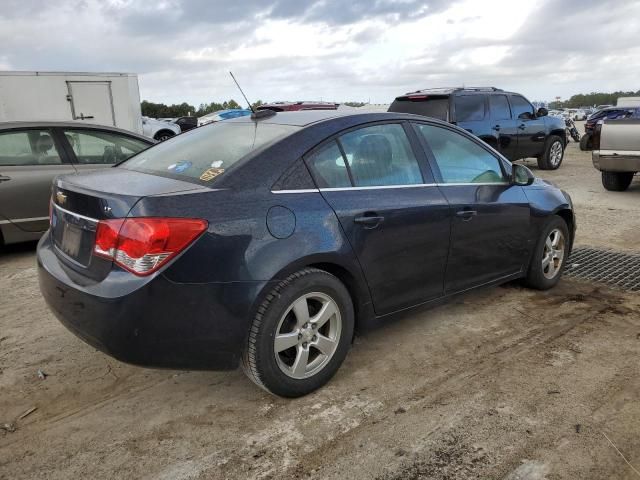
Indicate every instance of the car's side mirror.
{"type": "Point", "coordinates": [542, 112]}
{"type": "Point", "coordinates": [521, 175]}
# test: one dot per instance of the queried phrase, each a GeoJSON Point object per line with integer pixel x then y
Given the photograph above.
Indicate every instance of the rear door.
{"type": "Point", "coordinates": [531, 129]}
{"type": "Point", "coordinates": [93, 148]}
{"type": "Point", "coordinates": [92, 101]}
{"type": "Point", "coordinates": [395, 218]}
{"type": "Point", "coordinates": [490, 217]}
{"type": "Point", "coordinates": [29, 160]}
{"type": "Point", "coordinates": [505, 127]}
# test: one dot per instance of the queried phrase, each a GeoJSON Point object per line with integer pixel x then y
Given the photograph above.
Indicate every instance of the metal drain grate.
{"type": "Point", "coordinates": [612, 268]}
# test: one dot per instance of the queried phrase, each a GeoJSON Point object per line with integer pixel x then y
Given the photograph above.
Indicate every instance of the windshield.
{"type": "Point", "coordinates": [205, 153]}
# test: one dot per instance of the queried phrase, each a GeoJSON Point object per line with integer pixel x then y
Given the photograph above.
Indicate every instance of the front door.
{"type": "Point", "coordinates": [395, 218]}
{"type": "Point", "coordinates": [505, 127]}
{"type": "Point", "coordinates": [531, 129]}
{"type": "Point", "coordinates": [29, 161]}
{"type": "Point", "coordinates": [490, 226]}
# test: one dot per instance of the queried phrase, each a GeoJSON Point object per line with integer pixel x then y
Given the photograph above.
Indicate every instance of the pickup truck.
{"type": "Point", "coordinates": [616, 152]}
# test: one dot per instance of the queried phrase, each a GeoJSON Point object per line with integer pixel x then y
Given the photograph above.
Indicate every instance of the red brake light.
{"type": "Point", "coordinates": [143, 245]}
{"type": "Point", "coordinates": [413, 98]}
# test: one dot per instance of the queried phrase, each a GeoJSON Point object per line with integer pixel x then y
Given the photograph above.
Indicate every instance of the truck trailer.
{"type": "Point", "coordinates": [99, 98]}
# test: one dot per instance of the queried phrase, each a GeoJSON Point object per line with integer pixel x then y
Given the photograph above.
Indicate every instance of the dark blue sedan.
{"type": "Point", "coordinates": [268, 242]}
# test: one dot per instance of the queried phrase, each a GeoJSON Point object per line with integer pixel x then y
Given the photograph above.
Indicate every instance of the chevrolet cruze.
{"type": "Point", "coordinates": [269, 240]}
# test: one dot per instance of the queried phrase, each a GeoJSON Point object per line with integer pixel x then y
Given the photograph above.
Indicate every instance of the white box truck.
{"type": "Point", "coordinates": [98, 98]}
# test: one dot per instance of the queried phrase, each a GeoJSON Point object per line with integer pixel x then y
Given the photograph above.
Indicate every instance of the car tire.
{"type": "Point", "coordinates": [617, 181]}
{"type": "Point", "coordinates": [290, 318]}
{"type": "Point", "coordinates": [585, 143]}
{"type": "Point", "coordinates": [553, 154]}
{"type": "Point", "coordinates": [550, 255]}
{"type": "Point", "coordinates": [164, 135]}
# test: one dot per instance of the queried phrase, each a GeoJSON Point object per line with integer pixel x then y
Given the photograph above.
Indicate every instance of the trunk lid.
{"type": "Point", "coordinates": [80, 201]}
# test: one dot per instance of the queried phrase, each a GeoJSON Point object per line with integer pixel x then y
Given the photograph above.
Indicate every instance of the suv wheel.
{"type": "Point", "coordinates": [300, 335]}
{"type": "Point", "coordinates": [553, 154]}
{"type": "Point", "coordinates": [549, 257]}
{"type": "Point", "coordinates": [617, 181]}
{"type": "Point", "coordinates": [585, 143]}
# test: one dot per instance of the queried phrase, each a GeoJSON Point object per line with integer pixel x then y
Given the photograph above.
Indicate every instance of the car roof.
{"type": "Point", "coordinates": [303, 118]}
{"type": "Point", "coordinates": [76, 125]}
{"type": "Point", "coordinates": [450, 90]}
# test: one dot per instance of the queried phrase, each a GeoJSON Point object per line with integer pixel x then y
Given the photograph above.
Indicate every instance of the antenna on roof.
{"type": "Point", "coordinates": [254, 114]}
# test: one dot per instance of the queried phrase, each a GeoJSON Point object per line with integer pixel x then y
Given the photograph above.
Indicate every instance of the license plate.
{"type": "Point", "coordinates": [71, 237]}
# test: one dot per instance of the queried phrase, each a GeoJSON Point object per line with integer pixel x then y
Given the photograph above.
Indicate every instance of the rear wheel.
{"type": "Point", "coordinates": [585, 142]}
{"type": "Point", "coordinates": [553, 154]}
{"type": "Point", "coordinates": [617, 181]}
{"type": "Point", "coordinates": [300, 335]}
{"type": "Point", "coordinates": [549, 257]}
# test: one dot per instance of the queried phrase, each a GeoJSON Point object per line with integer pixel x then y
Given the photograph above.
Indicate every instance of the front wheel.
{"type": "Point", "coordinates": [300, 335]}
{"type": "Point", "coordinates": [553, 154]}
{"type": "Point", "coordinates": [549, 257]}
{"type": "Point", "coordinates": [616, 181]}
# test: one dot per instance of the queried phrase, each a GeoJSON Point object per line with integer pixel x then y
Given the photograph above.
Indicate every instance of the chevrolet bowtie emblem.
{"type": "Point", "coordinates": [61, 198]}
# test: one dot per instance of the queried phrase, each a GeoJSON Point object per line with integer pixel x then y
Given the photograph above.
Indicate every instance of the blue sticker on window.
{"type": "Point", "coordinates": [180, 166]}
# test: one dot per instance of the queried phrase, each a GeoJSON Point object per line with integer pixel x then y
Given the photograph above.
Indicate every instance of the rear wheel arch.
{"type": "Point", "coordinates": [353, 281]}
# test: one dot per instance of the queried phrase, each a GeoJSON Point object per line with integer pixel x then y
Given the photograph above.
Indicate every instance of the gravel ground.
{"type": "Point", "coordinates": [503, 383]}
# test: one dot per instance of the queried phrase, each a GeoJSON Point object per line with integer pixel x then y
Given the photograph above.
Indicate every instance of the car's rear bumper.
{"type": "Point", "coordinates": [151, 322]}
{"type": "Point", "coordinates": [610, 161]}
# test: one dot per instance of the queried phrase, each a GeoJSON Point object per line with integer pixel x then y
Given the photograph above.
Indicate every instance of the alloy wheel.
{"type": "Point", "coordinates": [553, 254]}
{"type": "Point", "coordinates": [556, 153]}
{"type": "Point", "coordinates": [307, 335]}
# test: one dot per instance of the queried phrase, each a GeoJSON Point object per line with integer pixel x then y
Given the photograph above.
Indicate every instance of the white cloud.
{"type": "Point", "coordinates": [330, 49]}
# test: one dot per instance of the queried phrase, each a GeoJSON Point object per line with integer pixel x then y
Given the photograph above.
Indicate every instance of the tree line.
{"type": "Point", "coordinates": [160, 110]}
{"type": "Point", "coordinates": [593, 98]}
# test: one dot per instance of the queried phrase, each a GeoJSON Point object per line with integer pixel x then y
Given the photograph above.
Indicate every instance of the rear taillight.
{"type": "Point", "coordinates": [143, 245]}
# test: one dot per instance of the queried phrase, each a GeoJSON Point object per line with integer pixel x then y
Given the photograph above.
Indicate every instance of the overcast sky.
{"type": "Point", "coordinates": [331, 50]}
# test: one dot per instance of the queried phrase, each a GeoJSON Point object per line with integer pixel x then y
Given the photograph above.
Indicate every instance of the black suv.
{"type": "Point", "coordinates": [507, 121]}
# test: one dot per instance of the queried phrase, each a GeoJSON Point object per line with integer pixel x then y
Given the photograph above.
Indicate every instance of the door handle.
{"type": "Point", "coordinates": [4, 179]}
{"type": "Point", "coordinates": [496, 128]}
{"type": "Point", "coordinates": [522, 126]}
{"type": "Point", "coordinates": [466, 215]}
{"type": "Point", "coordinates": [369, 221]}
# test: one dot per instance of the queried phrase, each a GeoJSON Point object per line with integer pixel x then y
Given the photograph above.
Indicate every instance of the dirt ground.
{"type": "Point", "coordinates": [504, 383]}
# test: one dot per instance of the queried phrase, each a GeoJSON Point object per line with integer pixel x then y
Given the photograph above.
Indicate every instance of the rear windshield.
{"type": "Point", "coordinates": [205, 153]}
{"type": "Point", "coordinates": [430, 107]}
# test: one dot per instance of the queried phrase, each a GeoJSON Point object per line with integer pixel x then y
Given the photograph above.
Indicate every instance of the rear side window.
{"type": "Point", "coordinates": [469, 108]}
{"type": "Point", "coordinates": [329, 167]}
{"type": "Point", "coordinates": [520, 105]}
{"type": "Point", "coordinates": [205, 153]}
{"type": "Point", "coordinates": [380, 155]}
{"type": "Point", "coordinates": [96, 147]}
{"type": "Point", "coordinates": [459, 159]}
{"type": "Point", "coordinates": [30, 147]}
{"type": "Point", "coordinates": [499, 107]}
{"type": "Point", "coordinates": [427, 107]}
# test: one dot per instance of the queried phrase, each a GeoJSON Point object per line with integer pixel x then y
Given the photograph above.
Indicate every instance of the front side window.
{"type": "Point", "coordinates": [380, 155]}
{"type": "Point", "coordinates": [520, 105]}
{"type": "Point", "coordinates": [96, 147]}
{"type": "Point", "coordinates": [205, 153]}
{"type": "Point", "coordinates": [469, 108]}
{"type": "Point", "coordinates": [28, 147]}
{"type": "Point", "coordinates": [499, 107]}
{"type": "Point", "coordinates": [459, 159]}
